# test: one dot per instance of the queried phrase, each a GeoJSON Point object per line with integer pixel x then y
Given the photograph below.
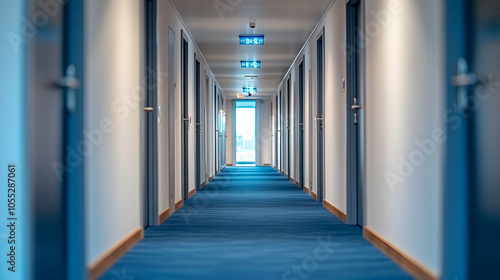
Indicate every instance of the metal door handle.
{"type": "Point", "coordinates": [148, 109]}
{"type": "Point", "coordinates": [68, 82]}
{"type": "Point", "coordinates": [301, 124]}
{"type": "Point", "coordinates": [187, 119]}
{"type": "Point", "coordinates": [356, 107]}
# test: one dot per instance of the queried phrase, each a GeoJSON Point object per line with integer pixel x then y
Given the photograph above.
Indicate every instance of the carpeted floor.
{"type": "Point", "coordinates": [252, 223]}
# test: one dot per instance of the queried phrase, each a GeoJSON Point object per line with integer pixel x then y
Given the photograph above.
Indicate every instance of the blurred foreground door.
{"type": "Point", "coordinates": [54, 42]}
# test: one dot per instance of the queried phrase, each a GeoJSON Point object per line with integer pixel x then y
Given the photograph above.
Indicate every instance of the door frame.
{"type": "Point", "coordinates": [457, 174]}
{"type": "Point", "coordinates": [355, 136]}
{"type": "Point", "coordinates": [320, 138]}
{"type": "Point", "coordinates": [74, 125]}
{"type": "Point", "coordinates": [185, 113]}
{"type": "Point", "coordinates": [235, 102]}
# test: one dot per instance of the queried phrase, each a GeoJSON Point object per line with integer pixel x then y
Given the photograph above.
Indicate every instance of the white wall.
{"type": "Point", "coordinates": [334, 115]}
{"type": "Point", "coordinates": [404, 104]}
{"type": "Point", "coordinates": [113, 99]}
{"type": "Point", "coordinates": [168, 18]}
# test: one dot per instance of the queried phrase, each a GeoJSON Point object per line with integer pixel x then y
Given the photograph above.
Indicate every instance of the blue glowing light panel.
{"type": "Point", "coordinates": [252, 40]}
{"type": "Point", "coordinates": [250, 90]}
{"type": "Point", "coordinates": [250, 64]}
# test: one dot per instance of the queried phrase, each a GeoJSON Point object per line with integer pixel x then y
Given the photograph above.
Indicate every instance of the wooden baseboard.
{"type": "Point", "coordinates": [229, 164]}
{"type": "Point", "coordinates": [164, 215]}
{"type": "Point", "coordinates": [306, 189]}
{"type": "Point", "coordinates": [409, 264]}
{"type": "Point", "coordinates": [266, 164]}
{"type": "Point", "coordinates": [314, 196]}
{"type": "Point", "coordinates": [203, 185]}
{"type": "Point", "coordinates": [179, 204]}
{"type": "Point", "coordinates": [341, 215]}
{"type": "Point", "coordinates": [111, 256]}
{"type": "Point", "coordinates": [191, 193]}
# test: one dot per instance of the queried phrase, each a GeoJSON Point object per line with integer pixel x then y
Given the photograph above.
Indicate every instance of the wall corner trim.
{"type": "Point", "coordinates": [191, 193]}
{"type": "Point", "coordinates": [115, 253]}
{"type": "Point", "coordinates": [410, 265]}
{"type": "Point", "coordinates": [179, 204]}
{"type": "Point", "coordinates": [314, 195]}
{"type": "Point", "coordinates": [164, 215]}
{"type": "Point", "coordinates": [341, 215]}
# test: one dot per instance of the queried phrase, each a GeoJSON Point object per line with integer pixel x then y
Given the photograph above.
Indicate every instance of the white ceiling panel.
{"type": "Point", "coordinates": [217, 24]}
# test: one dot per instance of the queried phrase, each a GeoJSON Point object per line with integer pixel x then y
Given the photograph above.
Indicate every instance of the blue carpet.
{"type": "Point", "coordinates": [252, 223]}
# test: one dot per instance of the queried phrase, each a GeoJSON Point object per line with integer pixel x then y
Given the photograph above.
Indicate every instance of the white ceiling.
{"type": "Point", "coordinates": [286, 25]}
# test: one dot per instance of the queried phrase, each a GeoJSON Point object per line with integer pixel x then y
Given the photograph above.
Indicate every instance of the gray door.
{"type": "Point", "coordinates": [301, 125]}
{"type": "Point", "coordinates": [151, 109]}
{"type": "Point", "coordinates": [186, 120]}
{"type": "Point", "coordinates": [319, 118]}
{"type": "Point", "coordinates": [55, 123]}
{"type": "Point", "coordinates": [198, 122]}
{"type": "Point", "coordinates": [355, 122]}
{"type": "Point", "coordinates": [172, 116]}
{"type": "Point", "coordinates": [288, 119]}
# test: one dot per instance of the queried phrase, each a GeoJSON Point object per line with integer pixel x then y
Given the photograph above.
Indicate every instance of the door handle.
{"type": "Point", "coordinates": [355, 108]}
{"type": "Point", "coordinates": [70, 84]}
{"type": "Point", "coordinates": [187, 119]}
{"type": "Point", "coordinates": [148, 109]}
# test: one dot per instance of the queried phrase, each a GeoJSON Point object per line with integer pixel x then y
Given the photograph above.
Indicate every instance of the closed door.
{"type": "Point", "coordinates": [55, 116]}
{"type": "Point", "coordinates": [320, 116]}
{"type": "Point", "coordinates": [355, 120]}
{"type": "Point", "coordinates": [186, 120]}
{"type": "Point", "coordinates": [301, 125]}
{"type": "Point", "coordinates": [288, 121]}
{"type": "Point", "coordinates": [198, 123]}
{"type": "Point", "coordinates": [172, 117]}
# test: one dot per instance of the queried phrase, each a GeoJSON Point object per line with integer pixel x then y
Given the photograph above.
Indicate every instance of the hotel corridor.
{"type": "Point", "coordinates": [252, 223]}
